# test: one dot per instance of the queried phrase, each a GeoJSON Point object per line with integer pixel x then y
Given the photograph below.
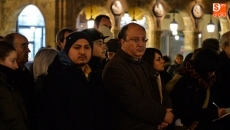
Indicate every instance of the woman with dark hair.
{"type": "Point", "coordinates": [13, 114]}
{"type": "Point", "coordinates": [154, 57]}
{"type": "Point", "coordinates": [193, 95]}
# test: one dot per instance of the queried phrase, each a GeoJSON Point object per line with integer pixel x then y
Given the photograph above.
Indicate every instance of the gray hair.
{"type": "Point", "coordinates": [224, 40]}
{"type": "Point", "coordinates": [42, 60]}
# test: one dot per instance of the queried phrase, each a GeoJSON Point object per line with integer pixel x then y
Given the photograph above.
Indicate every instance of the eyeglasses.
{"type": "Point", "coordinates": [137, 40]}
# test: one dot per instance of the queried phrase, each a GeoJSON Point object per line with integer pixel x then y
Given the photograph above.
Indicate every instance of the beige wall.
{"type": "Point", "coordinates": [63, 13]}
{"type": "Point", "coordinates": [12, 8]}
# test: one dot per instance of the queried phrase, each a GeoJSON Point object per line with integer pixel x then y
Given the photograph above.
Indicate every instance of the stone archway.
{"type": "Point", "coordinates": [47, 9]}
{"type": "Point", "coordinates": [188, 32]}
{"type": "Point", "coordinates": [85, 14]}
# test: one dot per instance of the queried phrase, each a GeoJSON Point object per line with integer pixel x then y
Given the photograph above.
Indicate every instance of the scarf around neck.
{"type": "Point", "coordinates": [190, 71]}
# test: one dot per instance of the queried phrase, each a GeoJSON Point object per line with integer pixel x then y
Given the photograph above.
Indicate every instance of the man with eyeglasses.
{"type": "Point", "coordinates": [133, 96]}
{"type": "Point", "coordinates": [99, 49]}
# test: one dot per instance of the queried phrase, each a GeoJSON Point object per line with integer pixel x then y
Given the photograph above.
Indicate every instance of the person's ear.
{"type": "Point", "coordinates": [122, 41]}
{"type": "Point", "coordinates": [95, 26]}
{"type": "Point", "coordinates": [1, 61]}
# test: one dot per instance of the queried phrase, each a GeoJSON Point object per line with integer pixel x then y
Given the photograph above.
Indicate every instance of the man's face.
{"type": "Point", "coordinates": [135, 42]}
{"type": "Point", "coordinates": [62, 44]}
{"type": "Point", "coordinates": [226, 49]}
{"type": "Point", "coordinates": [80, 52]}
{"type": "Point", "coordinates": [99, 48]}
{"type": "Point", "coordinates": [21, 46]}
{"type": "Point", "coordinates": [105, 22]}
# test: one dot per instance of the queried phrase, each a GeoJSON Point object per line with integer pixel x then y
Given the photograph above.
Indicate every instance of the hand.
{"type": "Point", "coordinates": [221, 111]}
{"type": "Point", "coordinates": [162, 125]}
{"type": "Point", "coordinates": [168, 116]}
{"type": "Point", "coordinates": [194, 125]}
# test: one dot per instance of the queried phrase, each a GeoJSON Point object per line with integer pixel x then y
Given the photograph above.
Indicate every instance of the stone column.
{"type": "Point", "coordinates": [188, 42]}
{"type": "Point", "coordinates": [156, 39]}
{"type": "Point", "coordinates": [195, 40]}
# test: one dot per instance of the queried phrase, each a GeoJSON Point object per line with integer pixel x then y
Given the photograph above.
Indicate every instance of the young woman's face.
{"type": "Point", "coordinates": [179, 60]}
{"type": "Point", "coordinates": [10, 60]}
{"type": "Point", "coordinates": [158, 63]}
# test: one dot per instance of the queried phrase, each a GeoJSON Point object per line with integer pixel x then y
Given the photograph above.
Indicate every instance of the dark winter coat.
{"type": "Point", "coordinates": [25, 82]}
{"type": "Point", "coordinates": [133, 95]}
{"type": "Point", "coordinates": [13, 115]}
{"type": "Point", "coordinates": [223, 86]}
{"type": "Point", "coordinates": [71, 102]}
{"type": "Point", "coordinates": [223, 80]}
{"type": "Point", "coordinates": [173, 69]}
{"type": "Point", "coordinates": [188, 99]}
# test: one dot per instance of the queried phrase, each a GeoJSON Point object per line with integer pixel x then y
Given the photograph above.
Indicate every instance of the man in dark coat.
{"type": "Point", "coordinates": [133, 99]}
{"type": "Point", "coordinates": [24, 78]}
{"type": "Point", "coordinates": [223, 76]}
{"type": "Point", "coordinates": [73, 96]}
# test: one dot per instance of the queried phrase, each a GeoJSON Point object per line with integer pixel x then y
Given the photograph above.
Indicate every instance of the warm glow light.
{"type": "Point", "coordinates": [200, 35]}
{"type": "Point", "coordinates": [173, 25]}
{"type": "Point", "coordinates": [90, 23]}
{"type": "Point", "coordinates": [211, 27]}
{"type": "Point", "coordinates": [177, 37]}
{"type": "Point", "coordinates": [174, 32]}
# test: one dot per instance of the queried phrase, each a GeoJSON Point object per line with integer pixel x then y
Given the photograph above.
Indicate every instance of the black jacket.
{"type": "Point", "coordinates": [13, 115]}
{"type": "Point", "coordinates": [25, 81]}
{"type": "Point", "coordinates": [223, 80]}
{"type": "Point", "coordinates": [133, 95]}
{"type": "Point", "coordinates": [188, 98]}
{"type": "Point", "coordinates": [71, 101]}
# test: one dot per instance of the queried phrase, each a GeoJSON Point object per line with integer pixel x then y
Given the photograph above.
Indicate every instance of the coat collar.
{"type": "Point", "coordinates": [123, 54]}
{"type": "Point", "coordinates": [7, 74]}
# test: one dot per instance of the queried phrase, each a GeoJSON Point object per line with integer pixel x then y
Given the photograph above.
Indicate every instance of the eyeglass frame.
{"type": "Point", "coordinates": [136, 40]}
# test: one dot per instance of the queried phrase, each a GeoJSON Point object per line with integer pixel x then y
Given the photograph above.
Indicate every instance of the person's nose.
{"type": "Point", "coordinates": [28, 50]}
{"type": "Point", "coordinates": [15, 66]}
{"type": "Point", "coordinates": [82, 51]}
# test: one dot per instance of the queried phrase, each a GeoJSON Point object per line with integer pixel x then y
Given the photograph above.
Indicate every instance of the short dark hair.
{"type": "Point", "coordinates": [187, 58]}
{"type": "Point", "coordinates": [179, 55]}
{"type": "Point", "coordinates": [211, 43]}
{"type": "Point", "coordinates": [9, 38]}
{"type": "Point", "coordinates": [60, 35]}
{"type": "Point", "coordinates": [123, 32]}
{"type": "Point", "coordinates": [205, 61]}
{"type": "Point", "coordinates": [149, 55]}
{"type": "Point", "coordinates": [5, 49]}
{"type": "Point", "coordinates": [98, 19]}
{"type": "Point", "coordinates": [224, 39]}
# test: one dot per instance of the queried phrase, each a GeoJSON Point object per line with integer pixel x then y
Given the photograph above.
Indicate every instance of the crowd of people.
{"type": "Point", "coordinates": [94, 82]}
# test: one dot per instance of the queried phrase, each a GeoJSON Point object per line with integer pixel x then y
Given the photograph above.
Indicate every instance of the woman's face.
{"type": "Point", "coordinates": [158, 63]}
{"type": "Point", "coordinates": [10, 60]}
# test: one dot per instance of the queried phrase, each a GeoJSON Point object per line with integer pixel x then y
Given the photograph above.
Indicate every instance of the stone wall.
{"type": "Point", "coordinates": [60, 14]}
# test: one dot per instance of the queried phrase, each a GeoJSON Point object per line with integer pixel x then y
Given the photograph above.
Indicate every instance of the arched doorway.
{"type": "Point", "coordinates": [31, 24]}
{"type": "Point", "coordinates": [172, 43]}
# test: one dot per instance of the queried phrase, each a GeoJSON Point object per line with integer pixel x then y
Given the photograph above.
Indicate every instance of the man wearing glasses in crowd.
{"type": "Point", "coordinates": [132, 93]}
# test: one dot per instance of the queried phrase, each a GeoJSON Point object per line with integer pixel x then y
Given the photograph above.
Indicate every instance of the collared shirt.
{"type": "Point", "coordinates": [86, 71]}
